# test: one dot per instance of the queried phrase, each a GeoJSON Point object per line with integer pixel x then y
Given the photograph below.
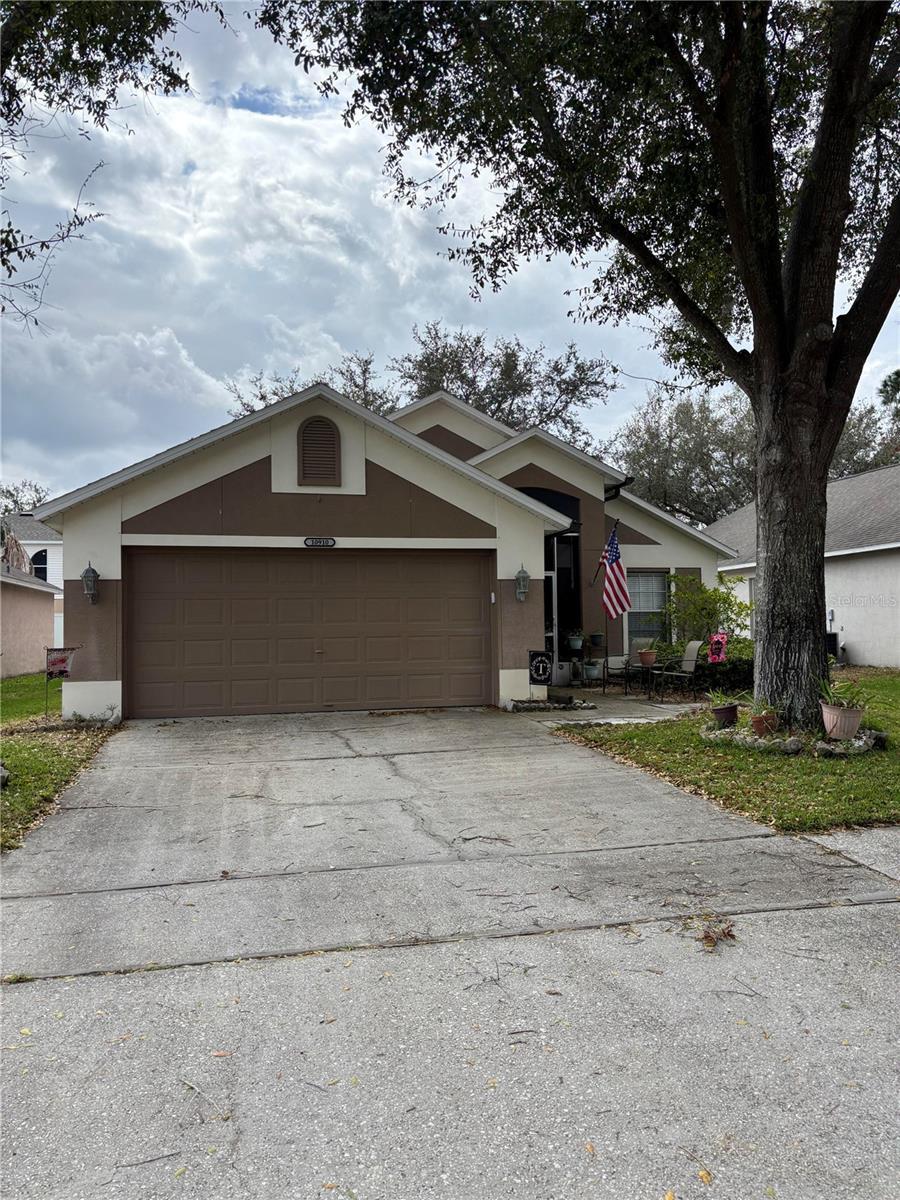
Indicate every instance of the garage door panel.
{"type": "Point", "coordinates": [243, 631]}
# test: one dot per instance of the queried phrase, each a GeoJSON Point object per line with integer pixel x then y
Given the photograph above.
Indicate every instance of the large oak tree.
{"type": "Point", "coordinates": [717, 168]}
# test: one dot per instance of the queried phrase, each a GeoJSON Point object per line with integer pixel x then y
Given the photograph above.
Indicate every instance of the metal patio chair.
{"type": "Point", "coordinates": [620, 668]}
{"type": "Point", "coordinates": [679, 671]}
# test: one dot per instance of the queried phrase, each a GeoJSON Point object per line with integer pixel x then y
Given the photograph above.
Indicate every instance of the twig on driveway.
{"type": "Point", "coordinates": [208, 1099]}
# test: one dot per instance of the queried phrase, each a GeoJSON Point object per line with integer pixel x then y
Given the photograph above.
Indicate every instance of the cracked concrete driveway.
{"type": "Point", "coordinates": [348, 997]}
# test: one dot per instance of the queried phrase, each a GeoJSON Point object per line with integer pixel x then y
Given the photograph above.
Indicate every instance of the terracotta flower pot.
{"type": "Point", "coordinates": [647, 657]}
{"type": "Point", "coordinates": [726, 715]}
{"type": "Point", "coordinates": [840, 723]}
{"type": "Point", "coordinates": [764, 724]}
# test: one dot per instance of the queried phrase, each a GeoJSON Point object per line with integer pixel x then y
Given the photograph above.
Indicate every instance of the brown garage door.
{"type": "Point", "coordinates": [210, 632]}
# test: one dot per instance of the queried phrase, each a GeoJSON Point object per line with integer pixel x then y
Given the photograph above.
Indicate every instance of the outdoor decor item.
{"type": "Point", "coordinates": [59, 666]}
{"type": "Point", "coordinates": [764, 717]}
{"type": "Point", "coordinates": [647, 657]}
{"type": "Point", "coordinates": [843, 705]}
{"type": "Point", "coordinates": [540, 666]}
{"type": "Point", "coordinates": [718, 643]}
{"type": "Point", "coordinates": [724, 709]}
{"type": "Point", "coordinates": [575, 639]}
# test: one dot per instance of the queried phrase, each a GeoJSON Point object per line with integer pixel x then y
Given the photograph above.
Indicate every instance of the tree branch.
{"type": "Point", "coordinates": [856, 330]}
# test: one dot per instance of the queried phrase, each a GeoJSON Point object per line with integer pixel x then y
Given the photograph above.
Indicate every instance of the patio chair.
{"type": "Point", "coordinates": [620, 668]}
{"type": "Point", "coordinates": [680, 671]}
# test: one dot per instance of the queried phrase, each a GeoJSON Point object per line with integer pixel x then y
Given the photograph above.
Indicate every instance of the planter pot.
{"type": "Point", "coordinates": [840, 723]}
{"type": "Point", "coordinates": [726, 716]}
{"type": "Point", "coordinates": [597, 640]}
{"type": "Point", "coordinates": [765, 724]}
{"type": "Point", "coordinates": [575, 643]}
{"type": "Point", "coordinates": [647, 657]}
{"type": "Point", "coordinates": [592, 670]}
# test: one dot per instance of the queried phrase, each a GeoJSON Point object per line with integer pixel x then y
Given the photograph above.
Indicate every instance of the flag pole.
{"type": "Point", "coordinates": [600, 563]}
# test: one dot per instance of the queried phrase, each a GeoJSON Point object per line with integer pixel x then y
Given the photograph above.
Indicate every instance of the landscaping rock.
{"type": "Point", "coordinates": [4, 776]}
{"type": "Point", "coordinates": [749, 741]}
{"type": "Point", "coordinates": [566, 705]}
{"type": "Point", "coordinates": [865, 740]}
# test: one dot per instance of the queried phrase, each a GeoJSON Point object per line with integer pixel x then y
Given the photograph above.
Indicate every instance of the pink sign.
{"type": "Point", "coordinates": [717, 644]}
{"type": "Point", "coordinates": [59, 661]}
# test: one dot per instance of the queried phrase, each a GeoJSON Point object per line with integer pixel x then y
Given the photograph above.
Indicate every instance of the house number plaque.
{"type": "Point", "coordinates": [318, 542]}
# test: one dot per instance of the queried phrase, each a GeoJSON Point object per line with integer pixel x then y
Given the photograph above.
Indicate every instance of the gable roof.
{"type": "Point", "coordinates": [28, 529]}
{"type": "Point", "coordinates": [10, 574]}
{"type": "Point", "coordinates": [702, 535]}
{"type": "Point", "coordinates": [460, 406]}
{"type": "Point", "coordinates": [863, 514]}
{"type": "Point", "coordinates": [541, 435]}
{"type": "Point", "coordinates": [90, 491]}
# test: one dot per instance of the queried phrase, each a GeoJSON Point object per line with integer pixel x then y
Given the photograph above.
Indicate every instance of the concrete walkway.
{"type": "Point", "coordinates": [347, 997]}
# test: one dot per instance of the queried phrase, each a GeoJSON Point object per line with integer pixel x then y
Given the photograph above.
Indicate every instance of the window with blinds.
{"type": "Point", "coordinates": [649, 591]}
{"type": "Point", "coordinates": [319, 453]}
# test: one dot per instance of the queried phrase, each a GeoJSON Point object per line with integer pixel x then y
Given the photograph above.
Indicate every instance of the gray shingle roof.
{"type": "Point", "coordinates": [863, 510]}
{"type": "Point", "coordinates": [28, 529]}
{"type": "Point", "coordinates": [14, 575]}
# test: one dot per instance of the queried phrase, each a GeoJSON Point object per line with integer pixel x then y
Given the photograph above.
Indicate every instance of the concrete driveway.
{"type": "Point", "coordinates": [296, 957]}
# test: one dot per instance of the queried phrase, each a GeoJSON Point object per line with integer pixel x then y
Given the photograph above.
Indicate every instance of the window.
{"type": "Point", "coordinates": [319, 453]}
{"type": "Point", "coordinates": [649, 591]}
{"type": "Point", "coordinates": [39, 564]}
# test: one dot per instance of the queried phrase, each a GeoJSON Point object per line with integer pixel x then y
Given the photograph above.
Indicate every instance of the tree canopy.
{"type": "Point", "coordinates": [714, 169]}
{"type": "Point", "coordinates": [693, 453]}
{"type": "Point", "coordinates": [23, 495]}
{"type": "Point", "coordinates": [522, 386]}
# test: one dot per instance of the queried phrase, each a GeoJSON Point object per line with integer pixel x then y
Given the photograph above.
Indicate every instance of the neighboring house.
{"type": "Point", "coordinates": [314, 555]}
{"type": "Point", "coordinates": [862, 563]}
{"type": "Point", "coordinates": [26, 621]}
{"type": "Point", "coordinates": [43, 546]}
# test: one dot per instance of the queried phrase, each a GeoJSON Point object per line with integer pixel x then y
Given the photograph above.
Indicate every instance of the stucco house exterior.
{"type": "Point", "coordinates": [43, 545]}
{"type": "Point", "coordinates": [315, 555]}
{"type": "Point", "coordinates": [26, 621]}
{"type": "Point", "coordinates": [862, 563]}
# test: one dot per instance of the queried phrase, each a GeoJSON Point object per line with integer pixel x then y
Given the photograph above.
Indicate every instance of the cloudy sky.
{"type": "Point", "coordinates": [245, 228]}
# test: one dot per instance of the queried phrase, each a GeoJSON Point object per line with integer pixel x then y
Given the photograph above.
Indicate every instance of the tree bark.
{"type": "Point", "coordinates": [792, 477]}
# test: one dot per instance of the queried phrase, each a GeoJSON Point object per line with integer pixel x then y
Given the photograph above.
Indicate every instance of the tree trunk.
{"type": "Point", "coordinates": [791, 655]}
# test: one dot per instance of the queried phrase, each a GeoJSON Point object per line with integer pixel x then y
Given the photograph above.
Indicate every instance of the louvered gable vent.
{"type": "Point", "coordinates": [319, 452]}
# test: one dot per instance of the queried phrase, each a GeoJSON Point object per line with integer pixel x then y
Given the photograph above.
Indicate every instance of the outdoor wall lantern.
{"type": "Point", "coordinates": [522, 581]}
{"type": "Point", "coordinates": [90, 581]}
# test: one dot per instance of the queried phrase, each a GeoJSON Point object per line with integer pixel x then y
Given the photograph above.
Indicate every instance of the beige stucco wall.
{"type": "Point", "coordinates": [92, 532]}
{"type": "Point", "coordinates": [863, 592]}
{"type": "Point", "coordinates": [26, 628]}
{"type": "Point", "coordinates": [439, 413]}
{"type": "Point", "coordinates": [674, 549]}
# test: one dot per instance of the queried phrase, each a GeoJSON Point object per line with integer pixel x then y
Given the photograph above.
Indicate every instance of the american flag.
{"type": "Point", "coordinates": [616, 599]}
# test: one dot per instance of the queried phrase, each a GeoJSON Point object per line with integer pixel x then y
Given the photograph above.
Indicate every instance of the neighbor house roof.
{"type": "Point", "coordinates": [551, 518]}
{"type": "Point", "coordinates": [863, 514]}
{"type": "Point", "coordinates": [28, 529]}
{"type": "Point", "coordinates": [10, 574]}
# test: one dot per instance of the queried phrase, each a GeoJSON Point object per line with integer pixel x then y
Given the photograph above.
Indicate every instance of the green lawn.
{"type": "Point", "coordinates": [41, 754]}
{"type": "Point", "coordinates": [791, 794]}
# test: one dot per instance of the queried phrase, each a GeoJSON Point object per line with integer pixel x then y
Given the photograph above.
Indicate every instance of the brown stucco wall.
{"type": "Point", "coordinates": [521, 623]}
{"type": "Point", "coordinates": [453, 443]}
{"type": "Point", "coordinates": [243, 503]}
{"type": "Point", "coordinates": [591, 542]}
{"type": "Point", "coordinates": [26, 629]}
{"type": "Point", "coordinates": [96, 629]}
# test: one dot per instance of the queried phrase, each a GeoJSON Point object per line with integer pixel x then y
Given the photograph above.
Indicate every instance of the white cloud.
{"type": "Point", "coordinates": [246, 227]}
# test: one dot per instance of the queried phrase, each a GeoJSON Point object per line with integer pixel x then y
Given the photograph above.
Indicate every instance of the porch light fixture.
{"type": "Point", "coordinates": [90, 581]}
{"type": "Point", "coordinates": [522, 581]}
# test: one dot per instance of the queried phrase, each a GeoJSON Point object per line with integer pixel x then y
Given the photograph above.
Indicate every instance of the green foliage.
{"type": "Point", "coordinates": [521, 386]}
{"type": "Point", "coordinates": [844, 694]}
{"type": "Point", "coordinates": [718, 699]}
{"type": "Point", "coordinates": [789, 793]}
{"type": "Point", "coordinates": [697, 611]}
{"type": "Point", "coordinates": [23, 696]}
{"type": "Point", "coordinates": [760, 707]}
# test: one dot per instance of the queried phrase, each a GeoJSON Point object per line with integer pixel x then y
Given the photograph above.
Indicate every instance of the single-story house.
{"type": "Point", "coordinates": [43, 545]}
{"type": "Point", "coordinates": [26, 621]}
{"type": "Point", "coordinates": [862, 563]}
{"type": "Point", "coordinates": [315, 555]}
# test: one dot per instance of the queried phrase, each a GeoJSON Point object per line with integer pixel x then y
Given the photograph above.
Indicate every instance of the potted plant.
{"type": "Point", "coordinates": [648, 655]}
{"type": "Point", "coordinates": [724, 708]}
{"type": "Point", "coordinates": [843, 705]}
{"type": "Point", "coordinates": [597, 640]}
{"type": "Point", "coordinates": [592, 669]}
{"type": "Point", "coordinates": [764, 717]}
{"type": "Point", "coordinates": [575, 639]}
